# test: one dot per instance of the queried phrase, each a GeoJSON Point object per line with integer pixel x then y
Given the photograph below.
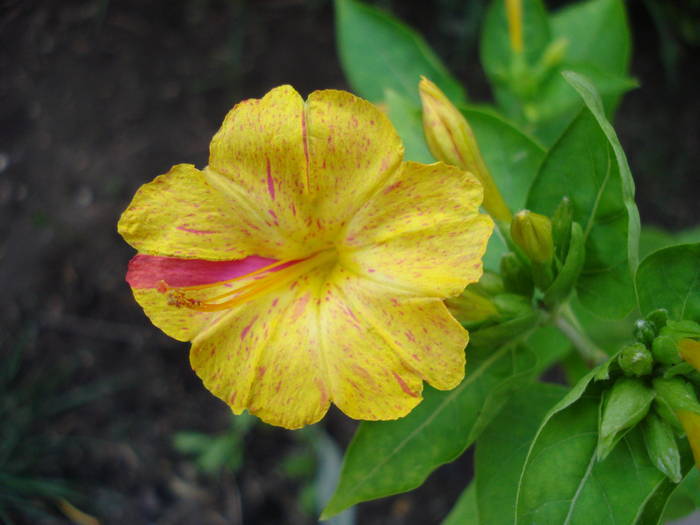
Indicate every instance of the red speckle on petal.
{"type": "Point", "coordinates": [409, 335]}
{"type": "Point", "coordinates": [270, 181]}
{"type": "Point", "coordinates": [261, 371]}
{"type": "Point", "coordinates": [245, 330]}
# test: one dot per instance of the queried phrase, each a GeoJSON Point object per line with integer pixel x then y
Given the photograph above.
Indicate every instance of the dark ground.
{"type": "Point", "coordinates": [98, 97]}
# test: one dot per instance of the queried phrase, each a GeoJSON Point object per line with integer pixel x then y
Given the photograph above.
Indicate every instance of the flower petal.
{"type": "Point", "coordinates": [380, 345]}
{"type": "Point", "coordinates": [690, 352]}
{"type": "Point", "coordinates": [180, 214]}
{"type": "Point", "coordinates": [691, 425]}
{"type": "Point", "coordinates": [422, 232]}
{"type": "Point", "coordinates": [353, 148]}
{"type": "Point", "coordinates": [265, 356]}
{"type": "Point", "coordinates": [259, 157]}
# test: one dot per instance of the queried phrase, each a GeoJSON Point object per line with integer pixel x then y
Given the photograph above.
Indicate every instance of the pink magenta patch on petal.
{"type": "Point", "coordinates": [149, 271]}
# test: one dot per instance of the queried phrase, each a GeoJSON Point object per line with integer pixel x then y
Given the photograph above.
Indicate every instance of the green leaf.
{"type": "Point", "coordinates": [408, 121]}
{"type": "Point", "coordinates": [502, 447]}
{"type": "Point", "coordinates": [686, 498]}
{"type": "Point", "coordinates": [390, 457]}
{"type": "Point", "coordinates": [465, 511]}
{"type": "Point", "coordinates": [378, 52]}
{"type": "Point", "coordinates": [563, 483]}
{"type": "Point", "coordinates": [670, 278]}
{"type": "Point", "coordinates": [512, 157]}
{"type": "Point", "coordinates": [588, 165]}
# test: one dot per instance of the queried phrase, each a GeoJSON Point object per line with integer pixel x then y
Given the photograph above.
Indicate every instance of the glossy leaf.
{"type": "Point", "coordinates": [588, 165]}
{"type": "Point", "coordinates": [390, 457]}
{"type": "Point", "coordinates": [502, 448]}
{"type": "Point", "coordinates": [378, 52]}
{"type": "Point", "coordinates": [670, 278]}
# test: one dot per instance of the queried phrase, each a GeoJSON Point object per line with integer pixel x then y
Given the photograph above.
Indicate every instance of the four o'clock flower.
{"type": "Point", "coordinates": [307, 263]}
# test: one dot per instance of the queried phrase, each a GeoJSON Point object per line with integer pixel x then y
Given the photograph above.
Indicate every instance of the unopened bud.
{"type": "Point", "coordinates": [690, 352]}
{"type": "Point", "coordinates": [514, 13]}
{"type": "Point", "coordinates": [554, 54]}
{"type": "Point", "coordinates": [677, 393]}
{"type": "Point", "coordinates": [635, 360]}
{"type": "Point", "coordinates": [451, 140]}
{"type": "Point", "coordinates": [658, 318]}
{"type": "Point", "coordinates": [561, 227]}
{"type": "Point", "coordinates": [644, 331]}
{"type": "Point", "coordinates": [470, 307]}
{"type": "Point", "coordinates": [512, 305]}
{"type": "Point", "coordinates": [665, 350]}
{"type": "Point", "coordinates": [626, 405]}
{"type": "Point", "coordinates": [533, 233]}
{"type": "Point", "coordinates": [662, 447]}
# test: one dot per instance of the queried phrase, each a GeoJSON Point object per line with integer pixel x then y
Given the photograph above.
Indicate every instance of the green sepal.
{"type": "Point", "coordinates": [677, 393]}
{"type": "Point", "coordinates": [681, 369]}
{"type": "Point", "coordinates": [625, 405]}
{"type": "Point", "coordinates": [665, 350]}
{"type": "Point", "coordinates": [512, 305]}
{"type": "Point", "coordinates": [635, 360]}
{"type": "Point", "coordinates": [516, 276]}
{"type": "Point", "coordinates": [562, 220]}
{"type": "Point", "coordinates": [501, 334]}
{"type": "Point", "coordinates": [662, 447]}
{"type": "Point", "coordinates": [565, 281]}
{"type": "Point", "coordinates": [644, 331]}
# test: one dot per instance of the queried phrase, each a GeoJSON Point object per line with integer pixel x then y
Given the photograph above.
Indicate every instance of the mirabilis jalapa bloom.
{"type": "Point", "coordinates": [307, 263]}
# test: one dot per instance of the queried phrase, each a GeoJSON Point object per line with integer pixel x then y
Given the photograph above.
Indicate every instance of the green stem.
{"type": "Point", "coordinates": [567, 323]}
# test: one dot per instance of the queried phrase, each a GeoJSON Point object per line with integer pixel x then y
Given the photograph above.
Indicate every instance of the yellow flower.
{"type": "Point", "coordinates": [691, 425]}
{"type": "Point", "coordinates": [307, 262]}
{"type": "Point", "coordinates": [690, 351]}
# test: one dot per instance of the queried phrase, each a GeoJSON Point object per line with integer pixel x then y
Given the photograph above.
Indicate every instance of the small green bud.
{"type": "Point", "coordinates": [635, 360]}
{"type": "Point", "coordinates": [665, 350]}
{"type": "Point", "coordinates": [533, 233]}
{"type": "Point", "coordinates": [644, 331]}
{"type": "Point", "coordinates": [658, 318]}
{"type": "Point", "coordinates": [664, 411]}
{"type": "Point", "coordinates": [677, 393]}
{"type": "Point", "coordinates": [662, 447]}
{"type": "Point", "coordinates": [491, 283]}
{"type": "Point", "coordinates": [512, 305]}
{"type": "Point", "coordinates": [472, 308]}
{"type": "Point", "coordinates": [626, 404]}
{"type": "Point", "coordinates": [516, 277]}
{"type": "Point", "coordinates": [554, 53]}
{"type": "Point", "coordinates": [561, 227]}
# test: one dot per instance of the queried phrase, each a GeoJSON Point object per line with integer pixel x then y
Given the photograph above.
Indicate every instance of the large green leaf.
{"type": "Point", "coordinates": [670, 278]}
{"type": "Point", "coordinates": [390, 457]}
{"type": "Point", "coordinates": [408, 121]}
{"type": "Point", "coordinates": [502, 447]}
{"type": "Point", "coordinates": [378, 52]}
{"type": "Point", "coordinates": [465, 511]}
{"type": "Point", "coordinates": [588, 165]}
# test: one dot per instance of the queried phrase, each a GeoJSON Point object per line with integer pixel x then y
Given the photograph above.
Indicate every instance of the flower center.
{"type": "Point", "coordinates": [246, 287]}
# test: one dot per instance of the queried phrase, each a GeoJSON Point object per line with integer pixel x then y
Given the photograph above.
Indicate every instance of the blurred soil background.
{"type": "Point", "coordinates": [96, 98]}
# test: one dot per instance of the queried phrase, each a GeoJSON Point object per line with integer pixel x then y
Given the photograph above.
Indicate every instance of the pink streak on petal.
{"type": "Point", "coordinates": [196, 232]}
{"type": "Point", "coordinates": [270, 181]}
{"type": "Point", "coordinates": [147, 271]}
{"type": "Point", "coordinates": [403, 385]}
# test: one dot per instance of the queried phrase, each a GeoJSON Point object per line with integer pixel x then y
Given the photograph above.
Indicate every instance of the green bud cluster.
{"type": "Point", "coordinates": [655, 387]}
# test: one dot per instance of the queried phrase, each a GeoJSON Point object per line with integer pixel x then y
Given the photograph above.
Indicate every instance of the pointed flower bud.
{"type": "Point", "coordinates": [561, 226]}
{"type": "Point", "coordinates": [451, 140]}
{"type": "Point", "coordinates": [658, 317]}
{"type": "Point", "coordinates": [662, 447]}
{"type": "Point", "coordinates": [533, 233]}
{"type": "Point", "coordinates": [626, 405]}
{"type": "Point", "coordinates": [514, 13]}
{"type": "Point", "coordinates": [677, 393]}
{"type": "Point", "coordinates": [635, 360]}
{"type": "Point", "coordinates": [644, 331]}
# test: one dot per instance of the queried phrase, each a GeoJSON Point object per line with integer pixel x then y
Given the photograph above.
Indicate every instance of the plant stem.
{"type": "Point", "coordinates": [567, 323]}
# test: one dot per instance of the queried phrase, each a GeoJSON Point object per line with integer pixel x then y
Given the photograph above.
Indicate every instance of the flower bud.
{"type": "Point", "coordinates": [658, 317]}
{"type": "Point", "coordinates": [554, 54]}
{"type": "Point", "coordinates": [691, 425]}
{"type": "Point", "coordinates": [512, 305]}
{"type": "Point", "coordinates": [514, 13]}
{"type": "Point", "coordinates": [561, 227]}
{"type": "Point", "coordinates": [626, 405]}
{"type": "Point", "coordinates": [644, 331]}
{"type": "Point", "coordinates": [533, 233]}
{"type": "Point", "coordinates": [662, 447]}
{"type": "Point", "coordinates": [690, 351]}
{"type": "Point", "coordinates": [665, 350]}
{"type": "Point", "coordinates": [635, 360]}
{"type": "Point", "coordinates": [470, 307]}
{"type": "Point", "coordinates": [516, 277]}
{"type": "Point", "coordinates": [451, 140]}
{"type": "Point", "coordinates": [677, 393]}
